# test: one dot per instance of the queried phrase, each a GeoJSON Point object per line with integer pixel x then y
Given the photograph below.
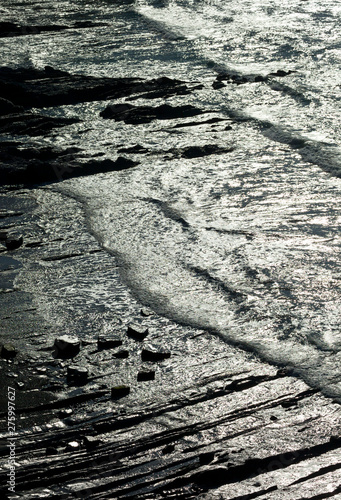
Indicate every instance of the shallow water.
{"type": "Point", "coordinates": [247, 243]}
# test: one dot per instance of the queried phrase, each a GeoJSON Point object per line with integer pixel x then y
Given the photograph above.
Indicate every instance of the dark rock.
{"type": "Point", "coordinates": [199, 151]}
{"type": "Point", "coordinates": [133, 149]}
{"type": "Point", "coordinates": [260, 78]}
{"type": "Point", "coordinates": [8, 351]}
{"type": "Point", "coordinates": [212, 477]}
{"type": "Point", "coordinates": [217, 85]}
{"type": "Point", "coordinates": [31, 123]}
{"type": "Point", "coordinates": [51, 450]}
{"type": "Point", "coordinates": [8, 108]}
{"type": "Point", "coordinates": [78, 374]}
{"type": "Point", "coordinates": [144, 376]}
{"type": "Point", "coordinates": [14, 241]}
{"type": "Point", "coordinates": [91, 442]}
{"type": "Point", "coordinates": [146, 312]}
{"type": "Point", "coordinates": [281, 73]}
{"type": "Point", "coordinates": [137, 332]}
{"type": "Point", "coordinates": [108, 343]}
{"type": "Point", "coordinates": [122, 354]}
{"type": "Point", "coordinates": [120, 391]}
{"type": "Point", "coordinates": [145, 114]}
{"type": "Point", "coordinates": [10, 29]}
{"type": "Point", "coordinates": [103, 166]}
{"type": "Point", "coordinates": [153, 354]}
{"type": "Point", "coordinates": [31, 87]}
{"type": "Point", "coordinates": [66, 346]}
{"type": "Point", "coordinates": [67, 412]}
{"type": "Point", "coordinates": [206, 458]}
{"type": "Point", "coordinates": [168, 449]}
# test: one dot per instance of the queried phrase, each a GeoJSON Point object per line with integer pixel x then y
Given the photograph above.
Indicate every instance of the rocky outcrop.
{"type": "Point", "coordinates": [30, 87]}
{"type": "Point", "coordinates": [145, 114]}
{"type": "Point", "coordinates": [8, 29]}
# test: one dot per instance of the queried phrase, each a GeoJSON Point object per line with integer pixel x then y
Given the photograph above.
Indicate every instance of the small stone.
{"type": "Point", "coordinates": [14, 241]}
{"type": "Point", "coordinates": [20, 384]}
{"type": "Point", "coordinates": [122, 354]}
{"type": "Point", "coordinates": [8, 351]}
{"type": "Point", "coordinates": [108, 343]}
{"type": "Point", "coordinates": [66, 346]}
{"type": "Point", "coordinates": [120, 391]}
{"type": "Point", "coordinates": [137, 332]}
{"type": "Point", "coordinates": [153, 354]}
{"type": "Point", "coordinates": [143, 376]}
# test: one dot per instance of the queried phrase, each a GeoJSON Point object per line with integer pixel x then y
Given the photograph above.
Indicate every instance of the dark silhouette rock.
{"type": "Point", "coordinates": [8, 351]}
{"type": "Point", "coordinates": [145, 114]}
{"type": "Point", "coordinates": [8, 108]}
{"type": "Point", "coordinates": [108, 343]}
{"type": "Point", "coordinates": [137, 332]}
{"type": "Point", "coordinates": [206, 458]}
{"type": "Point", "coordinates": [91, 442]}
{"type": "Point", "coordinates": [31, 87]}
{"type": "Point", "coordinates": [146, 375]}
{"type": "Point", "coordinates": [14, 241]}
{"type": "Point", "coordinates": [213, 476]}
{"type": "Point", "coordinates": [154, 354]}
{"type": "Point", "coordinates": [121, 354]}
{"type": "Point", "coordinates": [66, 346]}
{"type": "Point", "coordinates": [77, 374]}
{"type": "Point", "coordinates": [120, 391]}
{"type": "Point", "coordinates": [168, 449]}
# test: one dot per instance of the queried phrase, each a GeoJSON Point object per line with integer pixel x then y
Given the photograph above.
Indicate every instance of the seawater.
{"type": "Point", "coordinates": [245, 244]}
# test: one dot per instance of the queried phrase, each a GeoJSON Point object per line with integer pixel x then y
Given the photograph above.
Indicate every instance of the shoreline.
{"type": "Point", "coordinates": [213, 421]}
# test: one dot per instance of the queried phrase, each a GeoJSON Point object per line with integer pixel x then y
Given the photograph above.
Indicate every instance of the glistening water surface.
{"type": "Point", "coordinates": [246, 244]}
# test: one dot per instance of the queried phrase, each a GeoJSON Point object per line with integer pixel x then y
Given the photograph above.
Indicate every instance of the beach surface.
{"type": "Point", "coordinates": [169, 319]}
